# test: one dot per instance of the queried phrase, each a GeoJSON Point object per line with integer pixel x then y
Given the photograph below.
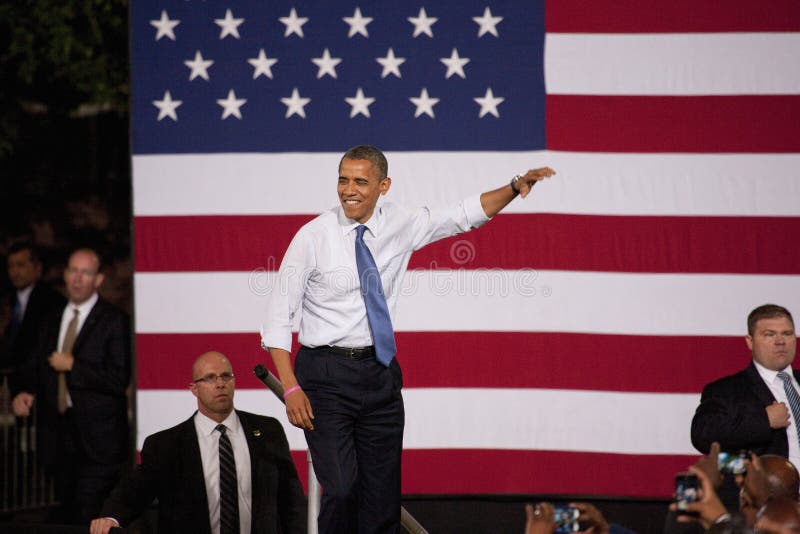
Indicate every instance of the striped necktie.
{"type": "Point", "coordinates": [228, 488]}
{"type": "Point", "coordinates": [794, 400]}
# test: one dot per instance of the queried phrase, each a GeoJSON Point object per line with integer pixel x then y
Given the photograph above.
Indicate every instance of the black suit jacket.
{"type": "Point", "coordinates": [97, 385]}
{"type": "Point", "coordinates": [43, 301]}
{"type": "Point", "coordinates": [732, 412]}
{"type": "Point", "coordinates": [172, 472]}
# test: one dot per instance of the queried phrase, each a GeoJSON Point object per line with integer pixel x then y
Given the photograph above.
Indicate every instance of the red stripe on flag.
{"type": "Point", "coordinates": [763, 124]}
{"type": "Point", "coordinates": [751, 245]}
{"type": "Point", "coordinates": [655, 16]}
{"type": "Point", "coordinates": [471, 471]}
{"type": "Point", "coordinates": [524, 471]}
{"type": "Point", "coordinates": [238, 242]}
{"type": "Point", "coordinates": [483, 360]}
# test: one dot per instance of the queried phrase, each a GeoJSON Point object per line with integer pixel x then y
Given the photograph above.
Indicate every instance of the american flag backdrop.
{"type": "Point", "coordinates": [562, 347]}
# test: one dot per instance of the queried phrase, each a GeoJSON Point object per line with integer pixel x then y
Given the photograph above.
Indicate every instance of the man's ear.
{"type": "Point", "coordinates": [749, 340]}
{"type": "Point", "coordinates": [98, 281]}
{"type": "Point", "coordinates": [386, 183]}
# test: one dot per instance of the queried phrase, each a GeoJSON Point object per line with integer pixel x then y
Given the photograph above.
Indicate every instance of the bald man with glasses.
{"type": "Point", "coordinates": [222, 471]}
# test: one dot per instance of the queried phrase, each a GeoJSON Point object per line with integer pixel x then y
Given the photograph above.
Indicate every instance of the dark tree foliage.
{"type": "Point", "coordinates": [64, 149]}
{"type": "Point", "coordinates": [61, 57]}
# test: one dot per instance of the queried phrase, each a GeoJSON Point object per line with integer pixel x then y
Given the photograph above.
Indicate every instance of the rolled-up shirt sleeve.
{"type": "Point", "coordinates": [286, 294]}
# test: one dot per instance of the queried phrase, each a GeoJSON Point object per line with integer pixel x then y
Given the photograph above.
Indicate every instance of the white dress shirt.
{"type": "Point", "coordinates": [775, 386]}
{"type": "Point", "coordinates": [319, 277]}
{"type": "Point", "coordinates": [23, 296]}
{"type": "Point", "coordinates": [83, 312]}
{"type": "Point", "coordinates": [208, 439]}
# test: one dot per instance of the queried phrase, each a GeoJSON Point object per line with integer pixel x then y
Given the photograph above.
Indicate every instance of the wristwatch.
{"type": "Point", "coordinates": [513, 183]}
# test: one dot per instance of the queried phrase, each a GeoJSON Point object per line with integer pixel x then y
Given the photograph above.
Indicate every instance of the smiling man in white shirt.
{"type": "Point", "coordinates": [342, 271]}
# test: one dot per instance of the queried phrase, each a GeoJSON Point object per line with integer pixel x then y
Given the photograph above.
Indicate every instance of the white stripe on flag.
{"type": "Point", "coordinates": [530, 419]}
{"type": "Point", "coordinates": [488, 300]}
{"type": "Point", "coordinates": [672, 64]}
{"type": "Point", "coordinates": [587, 183]}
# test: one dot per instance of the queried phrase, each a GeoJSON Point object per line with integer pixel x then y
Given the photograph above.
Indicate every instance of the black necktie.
{"type": "Point", "coordinates": [228, 491]}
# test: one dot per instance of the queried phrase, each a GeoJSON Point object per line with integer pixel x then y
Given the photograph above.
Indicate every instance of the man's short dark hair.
{"type": "Point", "coordinates": [766, 311]}
{"type": "Point", "coordinates": [371, 154]}
{"type": "Point", "coordinates": [21, 246]}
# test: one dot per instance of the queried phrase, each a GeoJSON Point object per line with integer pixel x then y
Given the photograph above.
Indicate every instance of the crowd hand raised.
{"type": "Point", "coordinates": [539, 518]}
{"type": "Point", "coordinates": [590, 515]}
{"type": "Point", "coordinates": [708, 465]}
{"type": "Point", "coordinates": [708, 506]}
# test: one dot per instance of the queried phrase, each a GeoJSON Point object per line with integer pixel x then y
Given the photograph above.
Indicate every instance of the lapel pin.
{"type": "Point", "coordinates": [256, 432]}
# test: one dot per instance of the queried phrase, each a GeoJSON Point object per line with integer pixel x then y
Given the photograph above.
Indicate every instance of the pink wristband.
{"type": "Point", "coordinates": [291, 390]}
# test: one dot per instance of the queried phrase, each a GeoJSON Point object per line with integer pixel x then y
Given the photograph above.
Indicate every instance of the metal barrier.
{"type": "Point", "coordinates": [25, 486]}
{"type": "Point", "coordinates": [406, 519]}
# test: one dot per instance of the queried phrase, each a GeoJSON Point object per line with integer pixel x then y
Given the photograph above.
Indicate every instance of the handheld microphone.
{"type": "Point", "coordinates": [269, 380]}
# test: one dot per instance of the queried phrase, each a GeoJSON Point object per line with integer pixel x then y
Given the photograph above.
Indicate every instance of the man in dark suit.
{"type": "Point", "coordinates": [28, 305]}
{"type": "Point", "coordinates": [183, 468]}
{"type": "Point", "coordinates": [77, 380]}
{"type": "Point", "coordinates": [751, 409]}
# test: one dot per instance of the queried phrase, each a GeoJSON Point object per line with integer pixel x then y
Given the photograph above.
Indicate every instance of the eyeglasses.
{"type": "Point", "coordinates": [212, 379]}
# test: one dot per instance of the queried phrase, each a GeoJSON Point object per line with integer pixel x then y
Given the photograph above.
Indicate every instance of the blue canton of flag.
{"type": "Point", "coordinates": [277, 76]}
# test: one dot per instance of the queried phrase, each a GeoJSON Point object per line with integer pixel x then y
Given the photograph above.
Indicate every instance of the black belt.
{"type": "Point", "coordinates": [351, 353]}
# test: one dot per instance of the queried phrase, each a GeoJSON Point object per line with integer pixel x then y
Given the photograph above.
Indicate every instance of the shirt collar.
{"type": "Point", "coordinates": [349, 225]}
{"type": "Point", "coordinates": [768, 375]}
{"type": "Point", "coordinates": [24, 294]}
{"type": "Point", "coordinates": [207, 425]}
{"type": "Point", "coordinates": [85, 307]}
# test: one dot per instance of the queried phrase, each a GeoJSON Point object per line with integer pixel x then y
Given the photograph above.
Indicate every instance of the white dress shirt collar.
{"type": "Point", "coordinates": [348, 225]}
{"type": "Point", "coordinates": [207, 426]}
{"type": "Point", "coordinates": [23, 295]}
{"type": "Point", "coordinates": [769, 376]}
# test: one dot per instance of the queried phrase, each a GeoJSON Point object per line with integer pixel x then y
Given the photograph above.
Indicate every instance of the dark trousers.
{"type": "Point", "coordinates": [357, 439]}
{"type": "Point", "coordinates": [81, 484]}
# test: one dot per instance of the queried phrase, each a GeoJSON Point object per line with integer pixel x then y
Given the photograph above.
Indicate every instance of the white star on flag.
{"type": "Point", "coordinates": [391, 64]}
{"type": "Point", "coordinates": [167, 106]}
{"type": "Point", "coordinates": [293, 23]}
{"type": "Point", "coordinates": [424, 104]}
{"type": "Point", "coordinates": [489, 103]}
{"type": "Point", "coordinates": [295, 104]}
{"type": "Point", "coordinates": [231, 105]}
{"type": "Point", "coordinates": [262, 65]}
{"type": "Point", "coordinates": [359, 103]}
{"type": "Point", "coordinates": [165, 26]}
{"type": "Point", "coordinates": [326, 64]}
{"type": "Point", "coordinates": [422, 23]}
{"type": "Point", "coordinates": [358, 24]}
{"type": "Point", "coordinates": [455, 64]}
{"type": "Point", "coordinates": [229, 25]}
{"type": "Point", "coordinates": [199, 66]}
{"type": "Point", "coordinates": [487, 23]}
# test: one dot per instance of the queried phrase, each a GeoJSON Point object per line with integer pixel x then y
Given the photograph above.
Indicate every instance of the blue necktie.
{"type": "Point", "coordinates": [793, 398]}
{"type": "Point", "coordinates": [16, 319]}
{"type": "Point", "coordinates": [377, 312]}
